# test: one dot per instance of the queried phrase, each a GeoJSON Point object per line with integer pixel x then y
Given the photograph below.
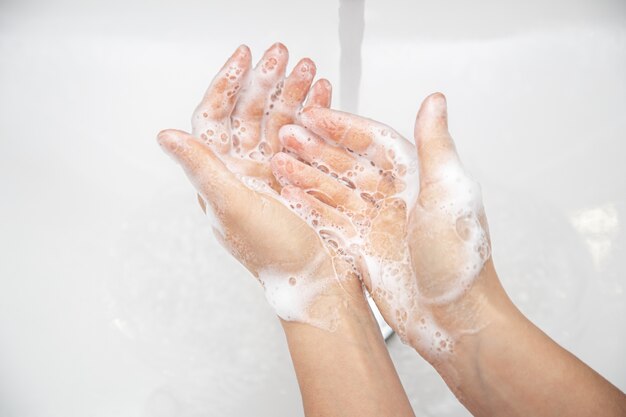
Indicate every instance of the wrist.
{"type": "Point", "coordinates": [342, 307]}
{"type": "Point", "coordinates": [481, 355]}
{"type": "Point", "coordinates": [346, 371]}
{"type": "Point", "coordinates": [437, 328]}
{"type": "Point", "coordinates": [316, 294]}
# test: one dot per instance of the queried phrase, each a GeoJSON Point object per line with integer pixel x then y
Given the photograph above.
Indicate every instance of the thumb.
{"type": "Point", "coordinates": [209, 175]}
{"type": "Point", "coordinates": [435, 148]}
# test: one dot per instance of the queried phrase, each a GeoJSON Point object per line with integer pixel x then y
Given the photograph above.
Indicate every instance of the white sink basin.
{"type": "Point", "coordinates": [115, 300]}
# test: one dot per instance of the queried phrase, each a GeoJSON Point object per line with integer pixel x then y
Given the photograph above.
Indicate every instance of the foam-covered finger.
{"type": "Point", "coordinates": [221, 96]}
{"type": "Point", "coordinates": [354, 171]}
{"type": "Point", "coordinates": [316, 150]}
{"type": "Point", "coordinates": [327, 221]}
{"type": "Point", "coordinates": [208, 174]}
{"type": "Point", "coordinates": [435, 148]}
{"type": "Point", "coordinates": [250, 108]}
{"type": "Point", "coordinates": [282, 108]}
{"type": "Point", "coordinates": [297, 85]}
{"type": "Point", "coordinates": [329, 190]}
{"type": "Point", "coordinates": [268, 72]}
{"type": "Point", "coordinates": [366, 137]}
{"type": "Point", "coordinates": [320, 94]}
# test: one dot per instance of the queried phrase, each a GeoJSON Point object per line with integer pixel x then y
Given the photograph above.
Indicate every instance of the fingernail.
{"type": "Point", "coordinates": [437, 104]}
{"type": "Point", "coordinates": [163, 137]}
{"type": "Point", "coordinates": [242, 50]}
{"type": "Point", "coordinates": [279, 45]}
{"type": "Point", "coordinates": [324, 84]}
{"type": "Point", "coordinates": [170, 143]}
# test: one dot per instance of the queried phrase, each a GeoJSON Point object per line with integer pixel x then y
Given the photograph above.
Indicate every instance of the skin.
{"type": "Point", "coordinates": [343, 372]}
{"type": "Point", "coordinates": [491, 356]}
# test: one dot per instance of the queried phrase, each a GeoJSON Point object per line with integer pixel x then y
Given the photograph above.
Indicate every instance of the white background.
{"type": "Point", "coordinates": [116, 301]}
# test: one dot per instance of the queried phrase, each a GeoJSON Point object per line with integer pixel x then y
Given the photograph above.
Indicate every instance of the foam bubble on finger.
{"type": "Point", "coordinates": [250, 109]}
{"type": "Point", "coordinates": [211, 118]}
{"type": "Point", "coordinates": [285, 103]}
{"type": "Point", "coordinates": [219, 99]}
{"type": "Point", "coordinates": [298, 83]}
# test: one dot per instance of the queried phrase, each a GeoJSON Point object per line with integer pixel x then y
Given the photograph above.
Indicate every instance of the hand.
{"type": "Point", "coordinates": [235, 131]}
{"type": "Point", "coordinates": [238, 122]}
{"type": "Point", "coordinates": [420, 254]}
{"type": "Point", "coordinates": [243, 109]}
{"type": "Point", "coordinates": [429, 260]}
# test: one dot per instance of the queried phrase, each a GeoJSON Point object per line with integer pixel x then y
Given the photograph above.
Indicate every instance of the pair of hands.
{"type": "Point", "coordinates": [314, 201]}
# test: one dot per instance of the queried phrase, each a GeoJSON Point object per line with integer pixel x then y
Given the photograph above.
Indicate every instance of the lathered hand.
{"type": "Point", "coordinates": [235, 133]}
{"type": "Point", "coordinates": [421, 240]}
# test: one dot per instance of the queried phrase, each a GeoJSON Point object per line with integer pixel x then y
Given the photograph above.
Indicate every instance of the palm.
{"type": "Point", "coordinates": [358, 177]}
{"type": "Point", "coordinates": [448, 238]}
{"type": "Point", "coordinates": [237, 123]}
{"type": "Point", "coordinates": [422, 252]}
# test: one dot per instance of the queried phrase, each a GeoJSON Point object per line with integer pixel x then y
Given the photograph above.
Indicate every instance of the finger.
{"type": "Point", "coordinates": [316, 150]}
{"type": "Point", "coordinates": [283, 107]}
{"type": "Point", "coordinates": [220, 97]}
{"type": "Point", "coordinates": [297, 85]}
{"type": "Point", "coordinates": [250, 107]}
{"type": "Point", "coordinates": [320, 94]}
{"type": "Point", "coordinates": [329, 224]}
{"type": "Point", "coordinates": [269, 71]}
{"type": "Point", "coordinates": [210, 118]}
{"type": "Point", "coordinates": [290, 171]}
{"type": "Point", "coordinates": [354, 171]}
{"type": "Point", "coordinates": [373, 140]}
{"type": "Point", "coordinates": [435, 147]}
{"type": "Point", "coordinates": [208, 174]}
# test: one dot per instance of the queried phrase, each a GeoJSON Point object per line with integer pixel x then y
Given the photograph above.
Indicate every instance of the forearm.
{"type": "Point", "coordinates": [512, 368]}
{"type": "Point", "coordinates": [346, 372]}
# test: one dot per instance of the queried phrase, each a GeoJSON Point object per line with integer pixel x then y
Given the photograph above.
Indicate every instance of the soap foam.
{"type": "Point", "coordinates": [241, 143]}
{"type": "Point", "coordinates": [293, 295]}
{"type": "Point", "coordinates": [460, 209]}
{"type": "Point", "coordinates": [393, 283]}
